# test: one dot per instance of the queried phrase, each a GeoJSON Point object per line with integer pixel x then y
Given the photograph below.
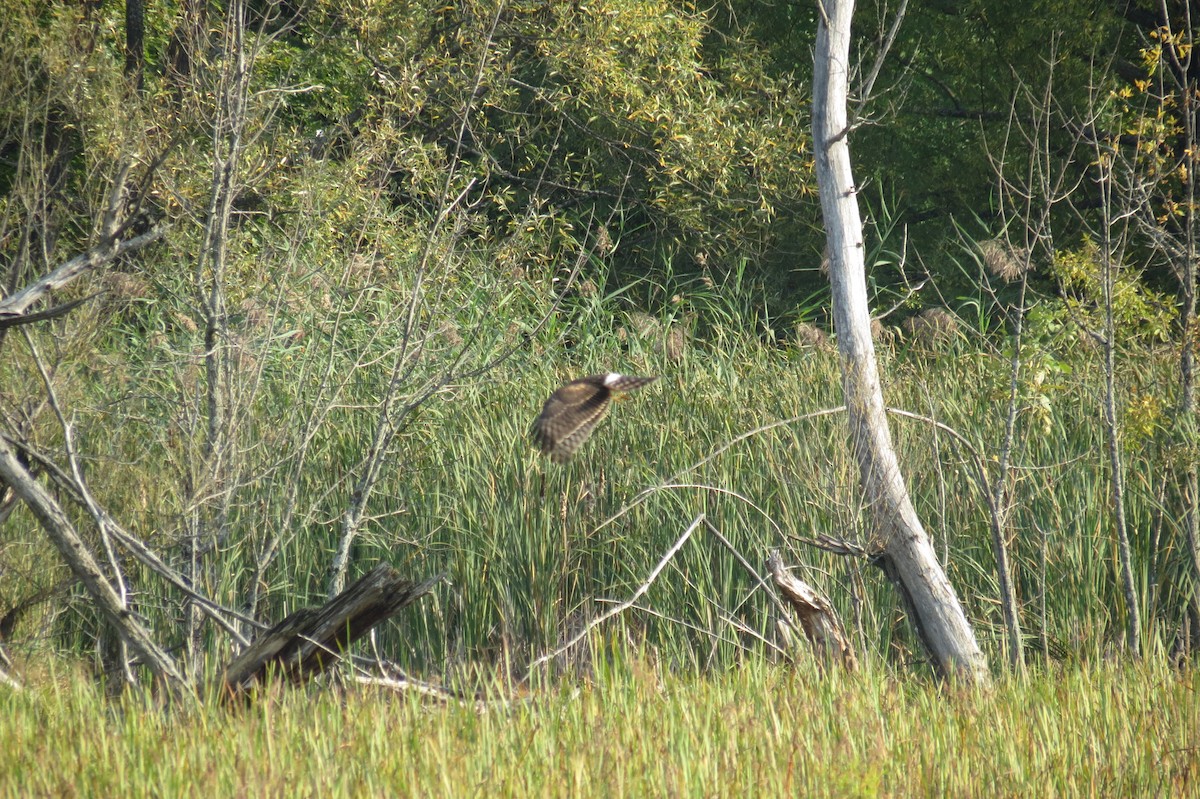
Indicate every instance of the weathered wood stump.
{"type": "Point", "coordinates": [310, 640]}
{"type": "Point", "coordinates": [820, 622]}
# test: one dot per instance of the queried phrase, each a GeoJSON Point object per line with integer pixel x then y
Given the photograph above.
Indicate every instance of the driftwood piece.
{"type": "Point", "coordinates": [820, 622]}
{"type": "Point", "coordinates": [309, 640]}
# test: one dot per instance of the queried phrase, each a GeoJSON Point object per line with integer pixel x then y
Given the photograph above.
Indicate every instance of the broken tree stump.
{"type": "Point", "coordinates": [821, 624]}
{"type": "Point", "coordinates": [310, 640]}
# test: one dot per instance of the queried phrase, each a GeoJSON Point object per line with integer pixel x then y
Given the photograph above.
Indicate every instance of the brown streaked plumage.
{"type": "Point", "coordinates": [573, 411]}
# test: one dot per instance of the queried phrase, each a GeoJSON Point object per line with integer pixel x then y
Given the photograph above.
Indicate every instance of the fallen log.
{"type": "Point", "coordinates": [822, 626]}
{"type": "Point", "coordinates": [310, 640]}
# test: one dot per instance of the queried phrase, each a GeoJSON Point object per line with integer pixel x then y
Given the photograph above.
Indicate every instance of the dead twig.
{"type": "Point", "coordinates": [642, 589]}
{"type": "Point", "coordinates": [13, 308]}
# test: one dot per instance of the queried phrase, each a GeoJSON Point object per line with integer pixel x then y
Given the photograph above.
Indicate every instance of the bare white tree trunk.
{"type": "Point", "coordinates": [1111, 236]}
{"type": "Point", "coordinates": [937, 613]}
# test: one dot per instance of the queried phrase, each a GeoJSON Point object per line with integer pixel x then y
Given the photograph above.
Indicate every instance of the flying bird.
{"type": "Point", "coordinates": [573, 411]}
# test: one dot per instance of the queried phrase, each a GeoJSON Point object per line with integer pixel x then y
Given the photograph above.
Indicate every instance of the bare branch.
{"type": "Point", "coordinates": [745, 563]}
{"type": "Point", "coordinates": [669, 482]}
{"type": "Point", "coordinates": [15, 306]}
{"type": "Point", "coordinates": [49, 313]}
{"type": "Point", "coordinates": [869, 84]}
{"type": "Point", "coordinates": [642, 589]}
{"type": "Point", "coordinates": [79, 558]}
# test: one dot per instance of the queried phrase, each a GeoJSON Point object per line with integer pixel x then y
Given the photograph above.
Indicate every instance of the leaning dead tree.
{"type": "Point", "coordinates": [300, 647]}
{"type": "Point", "coordinates": [311, 640]}
{"type": "Point", "coordinates": [108, 599]}
{"type": "Point", "coordinates": [907, 551]}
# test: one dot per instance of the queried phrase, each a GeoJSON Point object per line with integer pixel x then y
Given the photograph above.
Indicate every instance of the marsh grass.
{"type": "Point", "coordinates": [678, 696]}
{"type": "Point", "coordinates": [634, 730]}
{"type": "Point", "coordinates": [532, 550]}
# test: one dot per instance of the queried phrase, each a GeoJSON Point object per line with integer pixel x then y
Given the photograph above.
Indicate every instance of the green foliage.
{"type": "Point", "coordinates": [1046, 362]}
{"type": "Point", "coordinates": [1139, 312]}
{"type": "Point", "coordinates": [946, 102]}
{"type": "Point", "coordinates": [578, 114]}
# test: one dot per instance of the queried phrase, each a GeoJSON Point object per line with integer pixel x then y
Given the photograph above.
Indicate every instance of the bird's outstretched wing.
{"type": "Point", "coordinates": [573, 411]}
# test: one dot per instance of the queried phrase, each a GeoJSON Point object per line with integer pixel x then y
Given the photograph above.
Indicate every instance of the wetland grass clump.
{"type": "Point", "coordinates": [635, 730]}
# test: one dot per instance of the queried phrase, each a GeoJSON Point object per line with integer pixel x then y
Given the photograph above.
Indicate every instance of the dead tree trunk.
{"type": "Point", "coordinates": [310, 640]}
{"type": "Point", "coordinates": [939, 618]}
{"type": "Point", "coordinates": [820, 622]}
{"type": "Point", "coordinates": [135, 46]}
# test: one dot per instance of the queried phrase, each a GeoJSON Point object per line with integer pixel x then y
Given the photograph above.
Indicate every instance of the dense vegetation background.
{"type": "Point", "coordinates": [384, 231]}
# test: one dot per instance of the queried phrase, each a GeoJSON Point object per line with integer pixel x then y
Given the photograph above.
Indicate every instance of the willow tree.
{"type": "Point", "coordinates": [908, 554]}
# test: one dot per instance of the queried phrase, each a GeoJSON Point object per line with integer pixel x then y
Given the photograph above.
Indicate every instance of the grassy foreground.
{"type": "Point", "coordinates": [757, 729]}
